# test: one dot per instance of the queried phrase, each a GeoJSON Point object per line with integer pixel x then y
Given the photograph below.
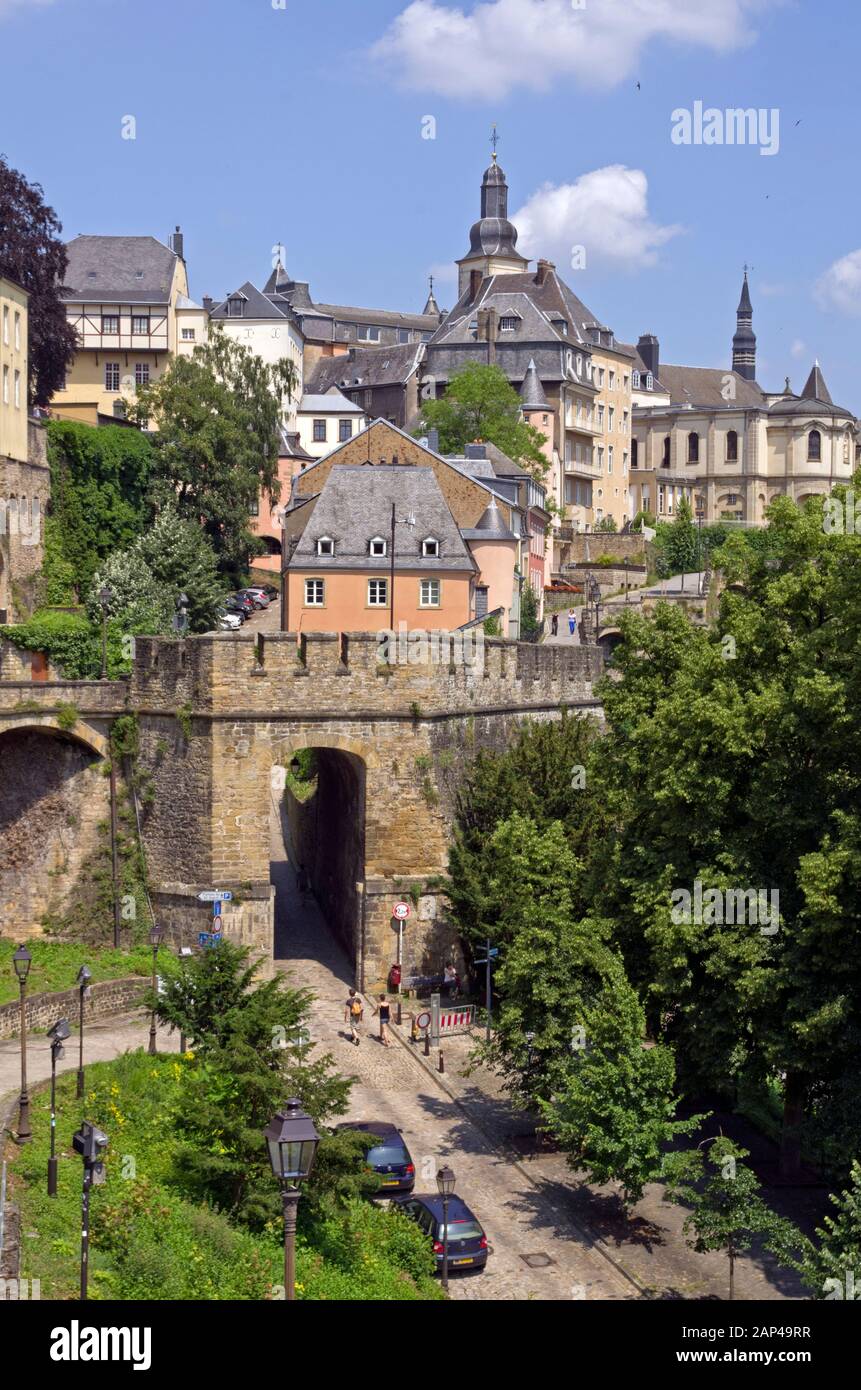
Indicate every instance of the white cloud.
{"type": "Point", "coordinates": [606, 212]}
{"type": "Point", "coordinates": [840, 286]}
{"type": "Point", "coordinates": [503, 44]}
{"type": "Point", "coordinates": [444, 273]}
{"type": "Point", "coordinates": [799, 348]}
{"type": "Point", "coordinates": [8, 7]}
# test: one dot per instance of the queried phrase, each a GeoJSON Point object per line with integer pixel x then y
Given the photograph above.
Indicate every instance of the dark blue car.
{"type": "Point", "coordinates": [467, 1243]}
{"type": "Point", "coordinates": [390, 1157]}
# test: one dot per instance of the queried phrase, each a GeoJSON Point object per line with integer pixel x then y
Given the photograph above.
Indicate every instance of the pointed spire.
{"type": "Point", "coordinates": [815, 388]}
{"type": "Point", "coordinates": [431, 307]}
{"type": "Point", "coordinates": [744, 341]}
{"type": "Point", "coordinates": [532, 395]}
{"type": "Point", "coordinates": [744, 305]}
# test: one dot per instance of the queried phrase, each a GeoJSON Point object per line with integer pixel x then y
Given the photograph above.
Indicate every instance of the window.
{"type": "Point", "coordinates": [814, 446]}
{"type": "Point", "coordinates": [624, 422]}
{"type": "Point", "coordinates": [378, 593]}
{"type": "Point", "coordinates": [693, 448]}
{"type": "Point", "coordinates": [635, 449]}
{"type": "Point", "coordinates": [345, 430]}
{"type": "Point", "coordinates": [612, 415]}
{"type": "Point", "coordinates": [665, 460]}
{"type": "Point", "coordinates": [430, 546]}
{"type": "Point", "coordinates": [601, 458]}
{"type": "Point", "coordinates": [403, 335]}
{"type": "Point", "coordinates": [625, 382]}
{"type": "Point", "coordinates": [17, 388]}
{"type": "Point", "coordinates": [600, 376]}
{"type": "Point", "coordinates": [110, 323]}
{"type": "Point", "coordinates": [732, 447]}
{"type": "Point", "coordinates": [5, 323]}
{"type": "Point", "coordinates": [141, 373]}
{"type": "Point", "coordinates": [5, 385]}
{"type": "Point", "coordinates": [600, 417]}
{"type": "Point", "coordinates": [319, 431]}
{"type": "Point", "coordinates": [254, 507]}
{"type": "Point", "coordinates": [650, 382]}
{"type": "Point", "coordinates": [368, 334]}
{"type": "Point", "coordinates": [18, 332]}
{"type": "Point", "coordinates": [612, 381]}
{"type": "Point", "coordinates": [428, 593]}
{"type": "Point", "coordinates": [235, 306]}
{"type": "Point", "coordinates": [624, 463]}
{"type": "Point", "coordinates": [377, 546]}
{"type": "Point", "coordinates": [140, 323]}
{"type": "Point", "coordinates": [314, 591]}
{"type": "Point", "coordinates": [508, 323]}
{"type": "Point", "coordinates": [610, 459]}
{"type": "Point", "coordinates": [112, 376]}
{"type": "Point", "coordinates": [188, 335]}
{"type": "Point", "coordinates": [325, 546]}
{"type": "Point", "coordinates": [635, 380]}
{"type": "Point", "coordinates": [661, 495]}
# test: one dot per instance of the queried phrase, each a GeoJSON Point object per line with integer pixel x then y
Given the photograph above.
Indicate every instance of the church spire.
{"type": "Point", "coordinates": [744, 341]}
{"type": "Point", "coordinates": [431, 307]}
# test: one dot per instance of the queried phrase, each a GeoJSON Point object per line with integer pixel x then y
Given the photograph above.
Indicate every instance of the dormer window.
{"type": "Point", "coordinates": [377, 547]}
{"type": "Point", "coordinates": [508, 323]}
{"type": "Point", "coordinates": [325, 546]}
{"type": "Point", "coordinates": [579, 364]}
{"type": "Point", "coordinates": [650, 382]}
{"type": "Point", "coordinates": [635, 380]}
{"type": "Point", "coordinates": [430, 547]}
{"type": "Point", "coordinates": [235, 306]}
{"type": "Point", "coordinates": [561, 326]}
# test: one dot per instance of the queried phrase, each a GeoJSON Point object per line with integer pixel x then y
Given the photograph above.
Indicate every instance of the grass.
{"type": "Point", "coordinates": [56, 965]}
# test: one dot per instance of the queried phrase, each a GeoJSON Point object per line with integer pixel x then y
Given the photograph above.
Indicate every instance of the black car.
{"type": "Point", "coordinates": [390, 1157]}
{"type": "Point", "coordinates": [235, 605]}
{"type": "Point", "coordinates": [245, 602]}
{"type": "Point", "coordinates": [467, 1243]}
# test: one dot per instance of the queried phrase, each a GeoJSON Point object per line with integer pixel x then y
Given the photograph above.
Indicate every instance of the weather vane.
{"type": "Point", "coordinates": [494, 140]}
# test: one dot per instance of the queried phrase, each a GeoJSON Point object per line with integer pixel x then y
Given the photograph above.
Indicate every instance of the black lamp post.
{"type": "Point", "coordinates": [292, 1141]}
{"type": "Point", "coordinates": [22, 960]}
{"type": "Point", "coordinates": [58, 1035]}
{"type": "Point", "coordinates": [154, 941]}
{"type": "Point", "coordinates": [90, 1142]}
{"type": "Point", "coordinates": [445, 1186]}
{"type": "Point", "coordinates": [84, 977]}
{"type": "Point", "coordinates": [105, 597]}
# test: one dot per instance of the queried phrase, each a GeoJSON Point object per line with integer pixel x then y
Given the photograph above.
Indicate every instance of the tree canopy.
{"type": "Point", "coordinates": [480, 404]}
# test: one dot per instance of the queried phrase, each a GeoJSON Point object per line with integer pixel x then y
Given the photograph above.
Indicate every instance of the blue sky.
{"type": "Point", "coordinates": [303, 124]}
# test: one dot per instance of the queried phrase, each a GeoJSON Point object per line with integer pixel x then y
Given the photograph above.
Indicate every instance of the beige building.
{"type": "Point", "coordinates": [24, 474]}
{"type": "Point", "coordinates": [127, 298]}
{"type": "Point", "coordinates": [327, 420]}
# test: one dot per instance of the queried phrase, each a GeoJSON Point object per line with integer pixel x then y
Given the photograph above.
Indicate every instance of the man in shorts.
{"type": "Point", "coordinates": [353, 1011]}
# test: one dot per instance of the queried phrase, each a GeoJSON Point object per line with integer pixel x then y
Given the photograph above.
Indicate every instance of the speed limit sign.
{"type": "Point", "coordinates": [401, 911]}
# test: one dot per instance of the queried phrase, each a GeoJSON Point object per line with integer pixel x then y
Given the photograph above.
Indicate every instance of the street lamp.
{"type": "Point", "coordinates": [154, 941]}
{"type": "Point", "coordinates": [445, 1181]}
{"type": "Point", "coordinates": [292, 1141]}
{"type": "Point", "coordinates": [84, 977]}
{"type": "Point", "coordinates": [58, 1035]}
{"type": "Point", "coordinates": [22, 960]}
{"type": "Point", "coordinates": [180, 617]}
{"type": "Point", "coordinates": [90, 1142]}
{"type": "Point", "coordinates": [105, 598]}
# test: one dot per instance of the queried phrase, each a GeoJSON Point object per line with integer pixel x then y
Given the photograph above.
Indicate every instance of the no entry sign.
{"type": "Point", "coordinates": [401, 911]}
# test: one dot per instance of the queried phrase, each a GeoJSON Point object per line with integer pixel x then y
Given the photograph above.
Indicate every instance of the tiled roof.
{"type": "Point", "coordinates": [377, 366]}
{"type": "Point", "coordinates": [134, 269]}
{"type": "Point", "coordinates": [705, 386]}
{"type": "Point", "coordinates": [257, 306]}
{"type": "Point", "coordinates": [331, 402]}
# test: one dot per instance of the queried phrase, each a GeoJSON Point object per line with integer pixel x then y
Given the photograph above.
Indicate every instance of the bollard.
{"type": "Point", "coordinates": [399, 1018]}
{"type": "Point", "coordinates": [441, 1062]}
{"type": "Point", "coordinates": [427, 1042]}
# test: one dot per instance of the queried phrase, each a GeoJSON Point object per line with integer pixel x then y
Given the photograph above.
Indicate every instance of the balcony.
{"type": "Point", "coordinates": [578, 469]}
{"type": "Point", "coordinates": [587, 427]}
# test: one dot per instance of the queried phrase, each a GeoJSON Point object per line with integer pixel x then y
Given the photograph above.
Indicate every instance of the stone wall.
{"type": "Point", "coordinates": [585, 548]}
{"type": "Point", "coordinates": [24, 492]}
{"type": "Point", "coordinates": [108, 997]}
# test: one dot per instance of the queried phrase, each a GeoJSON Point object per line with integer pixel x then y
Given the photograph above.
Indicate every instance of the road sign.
{"type": "Point", "coordinates": [401, 911]}
{"type": "Point", "coordinates": [208, 938]}
{"type": "Point", "coordinates": [216, 908]}
{"type": "Point", "coordinates": [423, 1020]}
{"type": "Point", "coordinates": [215, 895]}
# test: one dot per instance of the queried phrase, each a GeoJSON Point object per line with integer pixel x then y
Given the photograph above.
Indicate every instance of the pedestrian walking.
{"type": "Point", "coordinates": [554, 625]}
{"type": "Point", "coordinates": [353, 1014]}
{"type": "Point", "coordinates": [384, 1010]}
{"type": "Point", "coordinates": [572, 621]}
{"type": "Point", "coordinates": [451, 980]}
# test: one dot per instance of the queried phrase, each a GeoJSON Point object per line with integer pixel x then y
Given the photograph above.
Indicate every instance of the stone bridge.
{"type": "Point", "coordinates": [221, 717]}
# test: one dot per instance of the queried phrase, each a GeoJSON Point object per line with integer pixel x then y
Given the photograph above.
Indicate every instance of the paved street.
{"type": "Point", "coordinates": [520, 1221]}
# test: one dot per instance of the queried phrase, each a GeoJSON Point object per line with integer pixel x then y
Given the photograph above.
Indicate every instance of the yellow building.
{"type": "Point", "coordinates": [24, 474]}
{"type": "Point", "coordinates": [127, 298]}
{"type": "Point", "coordinates": [13, 370]}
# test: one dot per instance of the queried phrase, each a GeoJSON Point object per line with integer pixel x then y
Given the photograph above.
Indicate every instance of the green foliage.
{"type": "Point", "coordinates": [56, 965]}
{"type": "Point", "coordinates": [833, 1269]}
{"type": "Point", "coordinates": [218, 414]}
{"type": "Point", "coordinates": [607, 523]}
{"type": "Point", "coordinates": [492, 626]}
{"type": "Point", "coordinates": [529, 621]}
{"type": "Point", "coordinates": [99, 493]}
{"type": "Point", "coordinates": [67, 639]}
{"type": "Point", "coordinates": [481, 404]}
{"type": "Point", "coordinates": [67, 716]}
{"type": "Point", "coordinates": [58, 573]}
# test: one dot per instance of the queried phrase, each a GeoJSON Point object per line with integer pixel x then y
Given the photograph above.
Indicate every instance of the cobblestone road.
{"type": "Point", "coordinates": [391, 1085]}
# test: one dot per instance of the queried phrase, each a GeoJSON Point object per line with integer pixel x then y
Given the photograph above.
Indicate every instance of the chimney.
{"type": "Point", "coordinates": [208, 303]}
{"type": "Point", "coordinates": [476, 451]}
{"type": "Point", "coordinates": [176, 244]}
{"type": "Point", "coordinates": [433, 440]}
{"type": "Point", "coordinates": [542, 270]}
{"type": "Point", "coordinates": [649, 349]}
{"type": "Point", "coordinates": [487, 330]}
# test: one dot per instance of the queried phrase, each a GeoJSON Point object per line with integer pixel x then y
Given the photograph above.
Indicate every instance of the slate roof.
{"type": "Point", "coordinates": [257, 306]}
{"type": "Point", "coordinates": [490, 526]}
{"type": "Point", "coordinates": [389, 318]}
{"type": "Point", "coordinates": [377, 366]}
{"type": "Point", "coordinates": [331, 402]}
{"type": "Point", "coordinates": [133, 269]}
{"type": "Point", "coordinates": [815, 388]}
{"type": "Point", "coordinates": [289, 446]}
{"type": "Point", "coordinates": [703, 386]}
{"type": "Point", "coordinates": [532, 392]}
{"type": "Point", "coordinates": [355, 505]}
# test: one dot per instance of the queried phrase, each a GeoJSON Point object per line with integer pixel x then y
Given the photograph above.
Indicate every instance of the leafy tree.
{"type": "Point", "coordinates": [678, 541]}
{"type": "Point", "coordinates": [529, 623]}
{"type": "Point", "coordinates": [481, 404]}
{"type": "Point", "coordinates": [138, 601]}
{"type": "Point", "coordinates": [833, 1269]}
{"type": "Point", "coordinates": [100, 481]}
{"type": "Point", "coordinates": [218, 412]}
{"type": "Point", "coordinates": [727, 1212]}
{"type": "Point", "coordinates": [33, 254]}
{"type": "Point", "coordinates": [607, 525]}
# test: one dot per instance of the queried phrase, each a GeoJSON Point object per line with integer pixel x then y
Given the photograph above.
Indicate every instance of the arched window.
{"type": "Point", "coordinates": [814, 445]}
{"type": "Point", "coordinates": [732, 447]}
{"type": "Point", "coordinates": [650, 382]}
{"type": "Point", "coordinates": [635, 380]}
{"type": "Point", "coordinates": [693, 448]}
{"type": "Point", "coordinates": [665, 460]}
{"type": "Point", "coordinates": [634, 453]}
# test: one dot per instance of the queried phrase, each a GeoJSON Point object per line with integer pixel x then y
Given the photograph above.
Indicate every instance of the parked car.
{"type": "Point", "coordinates": [390, 1157]}
{"type": "Point", "coordinates": [271, 590]}
{"type": "Point", "coordinates": [259, 591]}
{"type": "Point", "coordinates": [229, 622]}
{"type": "Point", "coordinates": [257, 596]}
{"type": "Point", "coordinates": [246, 603]}
{"type": "Point", "coordinates": [467, 1243]}
{"type": "Point", "coordinates": [237, 606]}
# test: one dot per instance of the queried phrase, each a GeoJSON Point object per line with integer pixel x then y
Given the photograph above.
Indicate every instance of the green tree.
{"type": "Point", "coordinates": [480, 404]}
{"type": "Point", "coordinates": [727, 1213]}
{"type": "Point", "coordinates": [181, 560]}
{"type": "Point", "coordinates": [216, 450]}
{"type": "Point", "coordinates": [138, 602]}
{"type": "Point", "coordinates": [607, 525]}
{"type": "Point", "coordinates": [529, 622]}
{"type": "Point", "coordinates": [833, 1268]}
{"type": "Point", "coordinates": [678, 542]}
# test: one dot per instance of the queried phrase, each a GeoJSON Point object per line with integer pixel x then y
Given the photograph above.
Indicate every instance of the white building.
{"type": "Point", "coordinates": [266, 325]}
{"type": "Point", "coordinates": [326, 421]}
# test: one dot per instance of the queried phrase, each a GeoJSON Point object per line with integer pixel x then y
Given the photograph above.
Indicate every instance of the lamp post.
{"type": "Point", "coordinates": [22, 960]}
{"type": "Point", "coordinates": [292, 1141]}
{"type": "Point", "coordinates": [445, 1186]}
{"type": "Point", "coordinates": [154, 941]}
{"type": "Point", "coordinates": [90, 1142]}
{"type": "Point", "coordinates": [58, 1035]}
{"type": "Point", "coordinates": [180, 617]}
{"type": "Point", "coordinates": [84, 977]}
{"type": "Point", "coordinates": [105, 597]}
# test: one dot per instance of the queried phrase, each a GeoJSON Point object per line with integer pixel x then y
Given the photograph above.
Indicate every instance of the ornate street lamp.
{"type": "Point", "coordinates": [58, 1035]}
{"type": "Point", "coordinates": [292, 1141]}
{"type": "Point", "coordinates": [105, 599]}
{"type": "Point", "coordinates": [90, 1142]}
{"type": "Point", "coordinates": [22, 960]}
{"type": "Point", "coordinates": [84, 977]}
{"type": "Point", "coordinates": [445, 1181]}
{"type": "Point", "coordinates": [154, 941]}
